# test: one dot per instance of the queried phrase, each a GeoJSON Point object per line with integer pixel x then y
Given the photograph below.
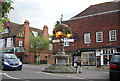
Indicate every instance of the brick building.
{"type": "Point", "coordinates": [16, 37]}
{"type": "Point", "coordinates": [96, 33]}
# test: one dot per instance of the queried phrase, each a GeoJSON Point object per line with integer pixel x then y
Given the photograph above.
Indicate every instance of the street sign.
{"type": "Point", "coordinates": [68, 40]}
{"type": "Point", "coordinates": [54, 41]}
{"type": "Point", "coordinates": [65, 40]}
{"type": "Point", "coordinates": [79, 59]}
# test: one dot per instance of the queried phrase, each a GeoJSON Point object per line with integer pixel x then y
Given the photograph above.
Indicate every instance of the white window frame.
{"type": "Point", "coordinates": [99, 36]}
{"type": "Point", "coordinates": [9, 42]}
{"type": "Point", "coordinates": [35, 33]}
{"type": "Point", "coordinates": [66, 43]}
{"type": "Point", "coordinates": [20, 42]}
{"type": "Point", "coordinates": [87, 38]}
{"type": "Point", "coordinates": [2, 43]}
{"type": "Point", "coordinates": [112, 36]}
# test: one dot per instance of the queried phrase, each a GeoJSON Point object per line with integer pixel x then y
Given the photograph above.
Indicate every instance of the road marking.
{"type": "Point", "coordinates": [61, 75]}
{"type": "Point", "coordinates": [9, 76]}
{"type": "Point", "coordinates": [2, 73]}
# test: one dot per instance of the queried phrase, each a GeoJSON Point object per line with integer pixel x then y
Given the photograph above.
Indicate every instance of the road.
{"type": "Point", "coordinates": [30, 72]}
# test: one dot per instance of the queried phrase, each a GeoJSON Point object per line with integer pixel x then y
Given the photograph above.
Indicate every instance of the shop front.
{"type": "Point", "coordinates": [87, 58]}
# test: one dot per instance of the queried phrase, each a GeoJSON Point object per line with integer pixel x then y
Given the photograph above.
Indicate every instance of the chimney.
{"type": "Point", "coordinates": [45, 32]}
{"type": "Point", "coordinates": [27, 36]}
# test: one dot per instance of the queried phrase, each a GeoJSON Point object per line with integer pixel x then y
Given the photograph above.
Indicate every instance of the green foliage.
{"type": "Point", "coordinates": [1, 29]}
{"type": "Point", "coordinates": [39, 43]}
{"type": "Point", "coordinates": [5, 7]}
{"type": "Point", "coordinates": [61, 27]}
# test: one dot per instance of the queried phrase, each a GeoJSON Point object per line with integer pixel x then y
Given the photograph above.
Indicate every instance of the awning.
{"type": "Point", "coordinates": [20, 49]}
{"type": "Point", "coordinates": [7, 51]}
{"type": "Point", "coordinates": [13, 49]}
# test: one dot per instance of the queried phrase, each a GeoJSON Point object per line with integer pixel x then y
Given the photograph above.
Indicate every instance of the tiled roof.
{"type": "Point", "coordinates": [40, 32]}
{"type": "Point", "coordinates": [99, 8]}
{"type": "Point", "coordinates": [15, 29]}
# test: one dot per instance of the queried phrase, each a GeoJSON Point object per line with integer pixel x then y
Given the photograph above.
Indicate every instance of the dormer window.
{"type": "Point", "coordinates": [35, 33]}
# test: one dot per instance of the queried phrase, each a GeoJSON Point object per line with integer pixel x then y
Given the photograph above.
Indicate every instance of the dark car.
{"type": "Point", "coordinates": [10, 61]}
{"type": "Point", "coordinates": [115, 67]}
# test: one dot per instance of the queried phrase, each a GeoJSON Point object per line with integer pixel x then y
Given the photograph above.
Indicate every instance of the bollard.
{"type": "Point", "coordinates": [78, 69]}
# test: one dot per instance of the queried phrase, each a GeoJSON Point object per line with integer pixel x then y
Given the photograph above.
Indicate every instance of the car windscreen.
{"type": "Point", "coordinates": [116, 58]}
{"type": "Point", "coordinates": [9, 56]}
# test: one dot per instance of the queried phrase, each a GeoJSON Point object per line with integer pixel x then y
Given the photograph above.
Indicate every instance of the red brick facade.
{"type": "Point", "coordinates": [45, 58]}
{"type": "Point", "coordinates": [92, 24]}
{"type": "Point", "coordinates": [18, 37]}
{"type": "Point", "coordinates": [106, 19]}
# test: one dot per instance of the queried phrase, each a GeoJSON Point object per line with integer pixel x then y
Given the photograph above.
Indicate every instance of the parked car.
{"type": "Point", "coordinates": [10, 61]}
{"type": "Point", "coordinates": [115, 67]}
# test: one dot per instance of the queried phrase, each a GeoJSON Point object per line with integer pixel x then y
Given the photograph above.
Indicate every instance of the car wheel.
{"type": "Point", "coordinates": [110, 77]}
{"type": "Point", "coordinates": [20, 68]}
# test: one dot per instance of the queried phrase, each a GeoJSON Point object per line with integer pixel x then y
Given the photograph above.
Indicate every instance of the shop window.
{"type": "Point", "coordinates": [105, 59]}
{"type": "Point", "coordinates": [88, 58]}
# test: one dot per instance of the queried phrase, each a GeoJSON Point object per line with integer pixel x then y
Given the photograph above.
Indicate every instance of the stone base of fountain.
{"type": "Point", "coordinates": [62, 65]}
{"type": "Point", "coordinates": [61, 59]}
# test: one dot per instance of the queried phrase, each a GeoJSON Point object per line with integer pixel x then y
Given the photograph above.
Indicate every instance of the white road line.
{"type": "Point", "coordinates": [9, 76]}
{"type": "Point", "coordinates": [61, 75]}
{"type": "Point", "coordinates": [2, 73]}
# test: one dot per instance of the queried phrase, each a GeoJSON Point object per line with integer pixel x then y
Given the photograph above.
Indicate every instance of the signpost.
{"type": "Point", "coordinates": [65, 40]}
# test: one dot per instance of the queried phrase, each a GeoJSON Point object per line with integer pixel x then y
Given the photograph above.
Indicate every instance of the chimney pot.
{"type": "Point", "coordinates": [26, 21]}
{"type": "Point", "coordinates": [45, 26]}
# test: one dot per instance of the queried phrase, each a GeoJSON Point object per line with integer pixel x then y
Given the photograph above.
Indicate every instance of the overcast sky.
{"type": "Point", "coordinates": [47, 12]}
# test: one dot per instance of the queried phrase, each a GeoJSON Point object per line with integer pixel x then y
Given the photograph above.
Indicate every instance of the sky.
{"type": "Point", "coordinates": [47, 12]}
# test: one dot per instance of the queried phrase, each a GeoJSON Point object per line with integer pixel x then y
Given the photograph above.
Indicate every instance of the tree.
{"type": "Point", "coordinates": [5, 7]}
{"type": "Point", "coordinates": [39, 44]}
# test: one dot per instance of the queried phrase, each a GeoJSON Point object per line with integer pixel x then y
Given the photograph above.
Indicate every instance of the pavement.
{"type": "Point", "coordinates": [94, 68]}
{"type": "Point", "coordinates": [89, 68]}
